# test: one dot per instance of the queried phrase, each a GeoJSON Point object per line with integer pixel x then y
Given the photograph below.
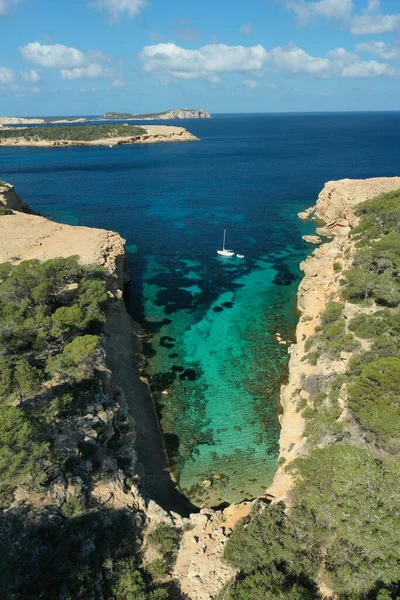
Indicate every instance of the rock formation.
{"type": "Point", "coordinates": [320, 284]}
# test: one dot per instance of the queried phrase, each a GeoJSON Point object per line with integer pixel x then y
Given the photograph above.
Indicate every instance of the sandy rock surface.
{"type": "Point", "coordinates": [320, 284]}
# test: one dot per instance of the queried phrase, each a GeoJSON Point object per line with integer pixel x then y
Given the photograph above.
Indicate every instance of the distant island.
{"type": "Point", "coordinates": [176, 113]}
{"type": "Point", "coordinates": [92, 135]}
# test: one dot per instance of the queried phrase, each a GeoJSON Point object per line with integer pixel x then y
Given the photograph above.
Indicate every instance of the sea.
{"type": "Point", "coordinates": [213, 357]}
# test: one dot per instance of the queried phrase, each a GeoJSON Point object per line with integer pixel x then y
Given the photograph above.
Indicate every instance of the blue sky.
{"type": "Point", "coordinates": [74, 57]}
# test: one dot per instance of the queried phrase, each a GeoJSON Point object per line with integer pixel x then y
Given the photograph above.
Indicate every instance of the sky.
{"type": "Point", "coordinates": [77, 57]}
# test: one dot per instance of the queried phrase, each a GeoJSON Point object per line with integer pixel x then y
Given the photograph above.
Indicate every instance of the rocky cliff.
{"type": "Point", "coordinates": [10, 199]}
{"type": "Point", "coordinates": [334, 213]}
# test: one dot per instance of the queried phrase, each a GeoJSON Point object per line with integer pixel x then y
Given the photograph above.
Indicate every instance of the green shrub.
{"type": "Point", "coordinates": [73, 508]}
{"type": "Point", "coordinates": [374, 397]}
{"type": "Point", "coordinates": [337, 267]}
{"type": "Point", "coordinates": [332, 313]}
{"type": "Point", "coordinates": [165, 539]}
{"type": "Point", "coordinates": [4, 210]}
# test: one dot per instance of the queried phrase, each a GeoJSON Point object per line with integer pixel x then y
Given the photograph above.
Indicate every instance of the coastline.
{"type": "Point", "coordinates": [154, 134]}
{"type": "Point", "coordinates": [320, 284]}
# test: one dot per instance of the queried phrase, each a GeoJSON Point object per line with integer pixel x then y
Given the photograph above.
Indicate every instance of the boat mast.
{"type": "Point", "coordinates": [223, 244]}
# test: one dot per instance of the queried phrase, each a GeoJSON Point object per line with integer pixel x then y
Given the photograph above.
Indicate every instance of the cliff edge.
{"type": "Point", "coordinates": [335, 215]}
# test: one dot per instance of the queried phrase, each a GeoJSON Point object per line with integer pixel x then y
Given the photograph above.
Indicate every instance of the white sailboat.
{"type": "Point", "coordinates": [225, 251]}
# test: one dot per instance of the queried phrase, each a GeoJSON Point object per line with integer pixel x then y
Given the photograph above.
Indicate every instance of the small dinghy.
{"type": "Point", "coordinates": [240, 255]}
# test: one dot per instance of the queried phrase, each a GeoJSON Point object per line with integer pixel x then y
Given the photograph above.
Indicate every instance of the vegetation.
{"type": "Point", "coordinates": [4, 210]}
{"type": "Point", "coordinates": [344, 518]}
{"type": "Point", "coordinates": [51, 372]}
{"type": "Point", "coordinates": [73, 133]}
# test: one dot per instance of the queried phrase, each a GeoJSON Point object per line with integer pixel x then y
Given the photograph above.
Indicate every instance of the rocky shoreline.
{"type": "Point", "coordinates": [334, 214]}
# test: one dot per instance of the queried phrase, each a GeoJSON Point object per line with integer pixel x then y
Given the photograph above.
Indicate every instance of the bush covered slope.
{"type": "Point", "coordinates": [75, 133]}
{"type": "Point", "coordinates": [342, 530]}
{"type": "Point", "coordinates": [62, 432]}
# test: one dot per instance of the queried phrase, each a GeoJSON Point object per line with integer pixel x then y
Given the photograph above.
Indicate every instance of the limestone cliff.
{"type": "Point", "coordinates": [10, 199]}
{"type": "Point", "coordinates": [334, 208]}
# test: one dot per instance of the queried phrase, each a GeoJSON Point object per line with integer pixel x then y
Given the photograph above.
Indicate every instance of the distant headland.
{"type": "Point", "coordinates": [93, 135]}
{"type": "Point", "coordinates": [176, 113]}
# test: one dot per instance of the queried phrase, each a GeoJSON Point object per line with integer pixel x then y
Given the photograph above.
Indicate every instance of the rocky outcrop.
{"type": "Point", "coordinates": [21, 121]}
{"type": "Point", "coordinates": [10, 199]}
{"type": "Point", "coordinates": [320, 284]}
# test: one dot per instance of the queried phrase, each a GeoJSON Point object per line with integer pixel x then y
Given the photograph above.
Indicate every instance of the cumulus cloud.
{"type": "Point", "coordinates": [31, 75]}
{"type": "Point", "coordinates": [251, 84]}
{"type": "Point", "coordinates": [116, 8]}
{"type": "Point", "coordinates": [208, 62]}
{"type": "Point", "coordinates": [6, 75]}
{"type": "Point", "coordinates": [92, 71]}
{"type": "Point", "coordinates": [343, 56]}
{"type": "Point", "coordinates": [296, 60]}
{"type": "Point", "coordinates": [169, 61]}
{"type": "Point", "coordinates": [370, 68]}
{"type": "Point", "coordinates": [371, 24]}
{"type": "Point", "coordinates": [331, 9]}
{"type": "Point", "coordinates": [56, 56]}
{"type": "Point", "coordinates": [370, 21]}
{"type": "Point", "coordinates": [246, 29]}
{"type": "Point", "coordinates": [384, 51]}
{"type": "Point", "coordinates": [71, 62]}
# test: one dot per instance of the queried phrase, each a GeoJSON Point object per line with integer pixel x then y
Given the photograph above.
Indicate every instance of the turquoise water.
{"type": "Point", "coordinates": [213, 360]}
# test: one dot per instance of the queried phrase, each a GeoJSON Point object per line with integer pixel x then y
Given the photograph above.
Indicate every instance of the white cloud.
{"type": "Point", "coordinates": [381, 49]}
{"type": "Point", "coordinates": [370, 21]}
{"type": "Point", "coordinates": [296, 60]}
{"type": "Point", "coordinates": [371, 68]}
{"type": "Point", "coordinates": [370, 24]}
{"type": "Point", "coordinates": [208, 62]}
{"type": "Point", "coordinates": [331, 9]}
{"type": "Point", "coordinates": [7, 6]}
{"type": "Point", "coordinates": [116, 8]}
{"type": "Point", "coordinates": [6, 75]}
{"type": "Point", "coordinates": [168, 61]}
{"type": "Point", "coordinates": [118, 83]}
{"type": "Point", "coordinates": [32, 75]}
{"type": "Point", "coordinates": [247, 29]}
{"type": "Point", "coordinates": [92, 71]}
{"type": "Point", "coordinates": [71, 62]}
{"type": "Point", "coordinates": [343, 56]}
{"type": "Point", "coordinates": [251, 84]}
{"type": "Point", "coordinates": [56, 56]}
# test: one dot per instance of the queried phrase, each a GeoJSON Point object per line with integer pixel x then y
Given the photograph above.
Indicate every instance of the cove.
{"type": "Point", "coordinates": [211, 321]}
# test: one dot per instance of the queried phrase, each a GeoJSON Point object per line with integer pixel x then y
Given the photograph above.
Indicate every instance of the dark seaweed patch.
{"type": "Point", "coordinates": [188, 374]}
{"type": "Point", "coordinates": [167, 342]}
{"type": "Point", "coordinates": [227, 304]}
{"type": "Point", "coordinates": [177, 369]}
{"type": "Point", "coordinates": [284, 275]}
{"type": "Point", "coordinates": [218, 309]}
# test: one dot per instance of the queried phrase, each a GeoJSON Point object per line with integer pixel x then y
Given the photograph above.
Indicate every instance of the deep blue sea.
{"type": "Point", "coordinates": [214, 363]}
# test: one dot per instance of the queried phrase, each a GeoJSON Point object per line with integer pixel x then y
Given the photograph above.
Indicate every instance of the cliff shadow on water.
{"type": "Point", "coordinates": [124, 354]}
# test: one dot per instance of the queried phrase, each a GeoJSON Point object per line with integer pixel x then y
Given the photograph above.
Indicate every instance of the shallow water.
{"type": "Point", "coordinates": [211, 320]}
